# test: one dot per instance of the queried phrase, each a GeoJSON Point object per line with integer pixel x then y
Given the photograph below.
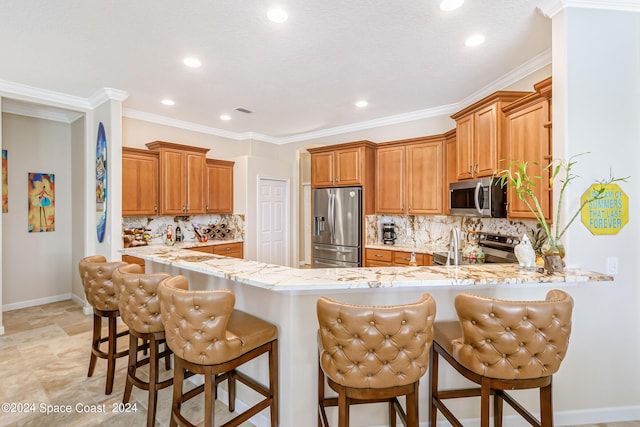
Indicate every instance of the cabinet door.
{"type": "Point", "coordinates": [219, 193]}
{"type": "Point", "coordinates": [529, 141]}
{"type": "Point", "coordinates": [322, 170]}
{"type": "Point", "coordinates": [194, 183]}
{"type": "Point", "coordinates": [139, 183]}
{"type": "Point", "coordinates": [347, 167]}
{"type": "Point", "coordinates": [390, 179]}
{"type": "Point", "coordinates": [485, 145]}
{"type": "Point", "coordinates": [464, 147]}
{"type": "Point", "coordinates": [425, 175]}
{"type": "Point", "coordinates": [172, 181]}
{"type": "Point", "coordinates": [450, 172]}
{"type": "Point", "coordinates": [233, 250]}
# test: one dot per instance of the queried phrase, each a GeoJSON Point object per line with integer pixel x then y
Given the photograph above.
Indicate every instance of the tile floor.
{"type": "Point", "coordinates": [44, 357]}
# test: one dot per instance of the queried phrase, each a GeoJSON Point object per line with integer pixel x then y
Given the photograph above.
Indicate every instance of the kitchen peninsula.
{"type": "Point", "coordinates": [287, 297]}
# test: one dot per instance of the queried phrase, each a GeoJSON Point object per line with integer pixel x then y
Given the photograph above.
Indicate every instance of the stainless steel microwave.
{"type": "Point", "coordinates": [483, 197]}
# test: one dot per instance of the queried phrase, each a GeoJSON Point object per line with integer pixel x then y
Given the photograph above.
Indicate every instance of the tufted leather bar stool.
{"type": "Point", "coordinates": [209, 337]}
{"type": "Point", "coordinates": [139, 307]}
{"type": "Point", "coordinates": [502, 345]}
{"type": "Point", "coordinates": [373, 354]}
{"type": "Point", "coordinates": [96, 273]}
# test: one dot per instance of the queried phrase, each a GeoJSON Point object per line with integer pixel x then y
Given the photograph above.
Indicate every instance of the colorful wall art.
{"type": "Point", "coordinates": [42, 212]}
{"type": "Point", "coordinates": [5, 183]}
{"type": "Point", "coordinates": [101, 182]}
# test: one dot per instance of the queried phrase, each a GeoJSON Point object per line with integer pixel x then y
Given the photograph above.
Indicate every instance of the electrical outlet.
{"type": "Point", "coordinates": [409, 231]}
{"type": "Point", "coordinates": [612, 265]}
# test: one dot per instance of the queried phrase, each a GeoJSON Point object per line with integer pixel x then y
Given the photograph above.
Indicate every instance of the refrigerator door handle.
{"type": "Point", "coordinates": [332, 216]}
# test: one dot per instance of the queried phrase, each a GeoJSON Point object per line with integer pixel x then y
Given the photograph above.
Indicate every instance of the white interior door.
{"type": "Point", "coordinates": [272, 220]}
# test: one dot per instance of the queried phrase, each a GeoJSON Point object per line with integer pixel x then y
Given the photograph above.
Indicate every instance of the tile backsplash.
{"type": "Point", "coordinates": [429, 231]}
{"type": "Point", "coordinates": [157, 226]}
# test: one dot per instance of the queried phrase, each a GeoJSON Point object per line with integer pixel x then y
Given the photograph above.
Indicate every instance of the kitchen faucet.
{"type": "Point", "coordinates": [454, 243]}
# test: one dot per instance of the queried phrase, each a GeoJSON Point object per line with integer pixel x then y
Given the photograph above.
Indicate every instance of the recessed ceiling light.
{"type": "Point", "coordinates": [168, 102]}
{"type": "Point", "coordinates": [277, 15]}
{"type": "Point", "coordinates": [474, 40]}
{"type": "Point", "coordinates": [192, 62]}
{"type": "Point", "coordinates": [448, 5]}
{"type": "Point", "coordinates": [362, 104]}
{"type": "Point", "coordinates": [225, 117]}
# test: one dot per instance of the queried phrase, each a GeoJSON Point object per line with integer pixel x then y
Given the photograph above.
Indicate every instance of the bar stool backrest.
{"type": "Point", "coordinates": [195, 322]}
{"type": "Point", "coordinates": [513, 339]}
{"type": "Point", "coordinates": [96, 274]}
{"type": "Point", "coordinates": [138, 299]}
{"type": "Point", "coordinates": [375, 346]}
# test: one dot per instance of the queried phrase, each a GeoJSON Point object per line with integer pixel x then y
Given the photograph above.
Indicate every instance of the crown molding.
{"type": "Point", "coordinates": [42, 96]}
{"type": "Point", "coordinates": [518, 73]}
{"type": "Point", "coordinates": [370, 124]}
{"type": "Point", "coordinates": [181, 124]}
{"type": "Point", "coordinates": [550, 8]}
{"type": "Point", "coordinates": [107, 94]}
{"type": "Point", "coordinates": [39, 111]}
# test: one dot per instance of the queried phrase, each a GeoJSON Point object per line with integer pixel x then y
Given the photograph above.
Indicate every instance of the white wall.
{"type": "Point", "coordinates": [596, 97]}
{"type": "Point", "coordinates": [36, 265]}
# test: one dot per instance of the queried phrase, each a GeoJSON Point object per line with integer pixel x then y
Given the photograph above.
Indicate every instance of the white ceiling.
{"type": "Point", "coordinates": [406, 57]}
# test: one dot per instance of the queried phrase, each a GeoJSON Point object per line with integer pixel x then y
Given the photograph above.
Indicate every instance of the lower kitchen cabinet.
{"type": "Point", "coordinates": [388, 258]}
{"type": "Point", "coordinates": [133, 260]}
{"type": "Point", "coordinates": [233, 250]}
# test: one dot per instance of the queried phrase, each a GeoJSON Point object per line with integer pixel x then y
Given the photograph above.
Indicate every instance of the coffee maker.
{"type": "Point", "coordinates": [389, 233]}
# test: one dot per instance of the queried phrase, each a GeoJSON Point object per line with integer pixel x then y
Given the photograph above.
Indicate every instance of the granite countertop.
{"type": "Point", "coordinates": [291, 280]}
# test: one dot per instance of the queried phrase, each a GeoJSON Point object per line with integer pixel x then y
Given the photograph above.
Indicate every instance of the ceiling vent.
{"type": "Point", "coordinates": [244, 110]}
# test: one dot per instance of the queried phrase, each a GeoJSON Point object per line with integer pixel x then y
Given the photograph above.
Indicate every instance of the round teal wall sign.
{"type": "Point", "coordinates": [101, 182]}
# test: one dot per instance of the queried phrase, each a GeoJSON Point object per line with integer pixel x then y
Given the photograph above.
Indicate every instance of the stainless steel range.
{"type": "Point", "coordinates": [497, 249]}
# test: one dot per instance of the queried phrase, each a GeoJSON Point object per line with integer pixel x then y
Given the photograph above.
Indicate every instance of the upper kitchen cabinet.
{"type": "Point", "coordinates": [181, 178]}
{"type": "Point", "coordinates": [529, 140]}
{"type": "Point", "coordinates": [219, 188]}
{"type": "Point", "coordinates": [451, 173]}
{"type": "Point", "coordinates": [341, 165]}
{"type": "Point", "coordinates": [480, 134]}
{"type": "Point", "coordinates": [410, 176]}
{"type": "Point", "coordinates": [139, 182]}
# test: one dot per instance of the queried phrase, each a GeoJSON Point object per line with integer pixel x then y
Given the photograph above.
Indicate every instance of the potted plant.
{"type": "Point", "coordinates": [523, 184]}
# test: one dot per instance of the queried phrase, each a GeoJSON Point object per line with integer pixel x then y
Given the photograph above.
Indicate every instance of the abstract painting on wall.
{"type": "Point", "coordinates": [42, 211]}
{"type": "Point", "coordinates": [5, 183]}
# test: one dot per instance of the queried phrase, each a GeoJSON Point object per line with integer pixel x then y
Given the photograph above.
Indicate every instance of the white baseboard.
{"type": "Point", "coordinates": [34, 302]}
{"type": "Point", "coordinates": [564, 418]}
{"type": "Point", "coordinates": [1, 330]}
{"type": "Point", "coordinates": [86, 308]}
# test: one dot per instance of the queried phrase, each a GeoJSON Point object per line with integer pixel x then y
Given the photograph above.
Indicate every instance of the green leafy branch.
{"type": "Point", "coordinates": [517, 177]}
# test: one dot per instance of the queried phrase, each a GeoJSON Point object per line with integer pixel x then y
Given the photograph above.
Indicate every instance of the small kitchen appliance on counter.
{"type": "Point", "coordinates": [389, 233]}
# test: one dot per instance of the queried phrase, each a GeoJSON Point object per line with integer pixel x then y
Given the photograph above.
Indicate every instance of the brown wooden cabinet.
{"type": "Point", "coordinates": [134, 260]}
{"type": "Point", "coordinates": [219, 187]}
{"type": "Point", "coordinates": [451, 173]}
{"type": "Point", "coordinates": [410, 176]}
{"type": "Point", "coordinates": [340, 165]}
{"type": "Point", "coordinates": [390, 258]}
{"type": "Point", "coordinates": [232, 250]}
{"type": "Point", "coordinates": [181, 178]}
{"type": "Point", "coordinates": [139, 182]}
{"type": "Point", "coordinates": [480, 135]}
{"type": "Point", "coordinates": [529, 139]}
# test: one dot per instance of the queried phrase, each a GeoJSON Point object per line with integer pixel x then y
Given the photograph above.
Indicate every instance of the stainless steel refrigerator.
{"type": "Point", "coordinates": [337, 227]}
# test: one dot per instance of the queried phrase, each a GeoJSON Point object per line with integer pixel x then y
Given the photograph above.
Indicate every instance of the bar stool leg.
{"type": "Point", "coordinates": [95, 342]}
{"type": "Point", "coordinates": [131, 368]}
{"type": "Point", "coordinates": [209, 385]}
{"type": "Point", "coordinates": [273, 382]}
{"type": "Point", "coordinates": [111, 355]}
{"type": "Point", "coordinates": [178, 378]}
{"type": "Point", "coordinates": [485, 397]}
{"type": "Point", "coordinates": [546, 406]}
{"type": "Point", "coordinates": [153, 381]}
